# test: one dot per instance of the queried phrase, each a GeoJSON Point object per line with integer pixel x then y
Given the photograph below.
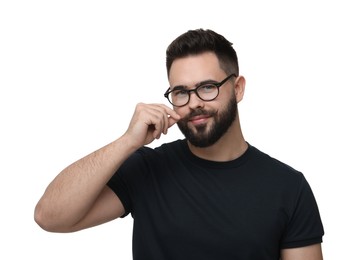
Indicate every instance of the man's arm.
{"type": "Point", "coordinates": [78, 197]}
{"type": "Point", "coordinates": [312, 252]}
{"type": "Point", "coordinates": [79, 189]}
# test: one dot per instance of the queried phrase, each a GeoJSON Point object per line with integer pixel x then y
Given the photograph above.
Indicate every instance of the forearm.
{"type": "Point", "coordinates": [312, 252]}
{"type": "Point", "coordinates": [70, 196]}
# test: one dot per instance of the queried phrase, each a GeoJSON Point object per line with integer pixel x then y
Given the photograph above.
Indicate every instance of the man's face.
{"type": "Point", "coordinates": [203, 123]}
{"type": "Point", "coordinates": [204, 134]}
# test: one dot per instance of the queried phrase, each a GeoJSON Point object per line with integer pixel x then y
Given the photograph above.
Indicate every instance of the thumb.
{"type": "Point", "coordinates": [172, 121]}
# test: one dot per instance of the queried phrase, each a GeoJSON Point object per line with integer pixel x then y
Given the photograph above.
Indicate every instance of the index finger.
{"type": "Point", "coordinates": [172, 114]}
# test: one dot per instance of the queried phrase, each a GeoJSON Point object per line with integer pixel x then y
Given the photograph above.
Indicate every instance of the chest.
{"type": "Point", "coordinates": [221, 211]}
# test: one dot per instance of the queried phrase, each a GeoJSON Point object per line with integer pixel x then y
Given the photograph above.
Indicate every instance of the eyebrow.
{"type": "Point", "coordinates": [208, 81]}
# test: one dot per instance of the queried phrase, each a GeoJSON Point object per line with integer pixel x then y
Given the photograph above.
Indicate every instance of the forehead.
{"type": "Point", "coordinates": [195, 68]}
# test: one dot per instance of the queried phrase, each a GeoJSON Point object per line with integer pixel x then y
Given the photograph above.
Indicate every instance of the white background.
{"type": "Point", "coordinates": [71, 73]}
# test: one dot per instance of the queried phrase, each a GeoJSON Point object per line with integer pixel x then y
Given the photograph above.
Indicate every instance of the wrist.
{"type": "Point", "coordinates": [127, 143]}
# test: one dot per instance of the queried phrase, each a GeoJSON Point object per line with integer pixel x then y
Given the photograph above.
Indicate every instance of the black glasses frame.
{"type": "Point", "coordinates": [217, 84]}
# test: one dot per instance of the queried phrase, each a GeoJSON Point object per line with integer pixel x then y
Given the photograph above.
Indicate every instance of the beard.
{"type": "Point", "coordinates": [207, 134]}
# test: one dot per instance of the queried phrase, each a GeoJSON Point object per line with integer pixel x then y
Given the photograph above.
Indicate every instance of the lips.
{"type": "Point", "coordinates": [197, 117]}
{"type": "Point", "coordinates": [200, 119]}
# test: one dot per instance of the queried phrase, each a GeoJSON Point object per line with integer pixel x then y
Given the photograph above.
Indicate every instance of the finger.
{"type": "Point", "coordinates": [161, 118]}
{"type": "Point", "coordinates": [171, 118]}
{"type": "Point", "coordinates": [171, 121]}
{"type": "Point", "coordinates": [166, 124]}
{"type": "Point", "coordinates": [172, 113]}
{"type": "Point", "coordinates": [167, 113]}
{"type": "Point", "coordinates": [157, 124]}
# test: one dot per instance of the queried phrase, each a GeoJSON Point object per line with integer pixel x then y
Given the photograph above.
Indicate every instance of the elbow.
{"type": "Point", "coordinates": [41, 219]}
{"type": "Point", "coordinates": [51, 221]}
{"type": "Point", "coordinates": [45, 220]}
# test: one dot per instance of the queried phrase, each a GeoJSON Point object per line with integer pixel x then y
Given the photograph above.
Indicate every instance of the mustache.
{"type": "Point", "coordinates": [197, 112]}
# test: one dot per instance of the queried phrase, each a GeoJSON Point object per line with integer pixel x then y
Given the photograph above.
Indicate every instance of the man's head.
{"type": "Point", "coordinates": [198, 41]}
{"type": "Point", "coordinates": [204, 62]}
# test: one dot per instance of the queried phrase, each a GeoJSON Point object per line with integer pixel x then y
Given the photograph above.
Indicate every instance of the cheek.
{"type": "Point", "coordinates": [181, 111]}
{"type": "Point", "coordinates": [226, 97]}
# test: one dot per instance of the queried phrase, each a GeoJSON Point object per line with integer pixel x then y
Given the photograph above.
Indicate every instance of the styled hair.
{"type": "Point", "coordinates": [198, 41]}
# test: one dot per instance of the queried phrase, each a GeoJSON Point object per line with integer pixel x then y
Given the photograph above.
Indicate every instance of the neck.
{"type": "Point", "coordinates": [229, 147]}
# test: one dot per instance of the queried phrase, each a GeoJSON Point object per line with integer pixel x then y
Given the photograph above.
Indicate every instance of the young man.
{"type": "Point", "coordinates": [209, 196]}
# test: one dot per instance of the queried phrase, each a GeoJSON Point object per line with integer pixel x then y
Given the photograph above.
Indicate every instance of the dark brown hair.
{"type": "Point", "coordinates": [199, 41]}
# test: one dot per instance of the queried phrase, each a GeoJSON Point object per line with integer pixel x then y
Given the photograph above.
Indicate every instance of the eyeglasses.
{"type": "Point", "coordinates": [179, 96]}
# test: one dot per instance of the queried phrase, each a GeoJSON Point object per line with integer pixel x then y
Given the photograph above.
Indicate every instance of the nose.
{"type": "Point", "coordinates": [195, 101]}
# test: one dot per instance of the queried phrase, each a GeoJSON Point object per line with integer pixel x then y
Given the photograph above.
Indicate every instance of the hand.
{"type": "Point", "coordinates": [149, 121]}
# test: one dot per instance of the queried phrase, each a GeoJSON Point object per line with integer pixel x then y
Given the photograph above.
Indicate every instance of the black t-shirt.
{"type": "Point", "coordinates": [185, 207]}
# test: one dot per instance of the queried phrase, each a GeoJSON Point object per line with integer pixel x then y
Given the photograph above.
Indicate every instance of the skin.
{"type": "Point", "coordinates": [78, 197]}
{"type": "Point", "coordinates": [191, 70]}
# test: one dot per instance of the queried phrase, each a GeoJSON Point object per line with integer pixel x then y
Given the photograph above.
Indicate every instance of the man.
{"type": "Point", "coordinates": [209, 196]}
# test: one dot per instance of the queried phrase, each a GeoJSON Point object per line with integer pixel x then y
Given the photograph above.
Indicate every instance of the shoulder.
{"type": "Point", "coordinates": [273, 169]}
{"type": "Point", "coordinates": [173, 146]}
{"type": "Point", "coordinates": [159, 153]}
{"type": "Point", "coordinates": [270, 162]}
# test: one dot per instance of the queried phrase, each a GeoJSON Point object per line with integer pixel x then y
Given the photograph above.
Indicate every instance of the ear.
{"type": "Point", "coordinates": [239, 88]}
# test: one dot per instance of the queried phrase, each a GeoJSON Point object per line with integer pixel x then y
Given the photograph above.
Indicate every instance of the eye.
{"type": "Point", "coordinates": [179, 93]}
{"type": "Point", "coordinates": [208, 88]}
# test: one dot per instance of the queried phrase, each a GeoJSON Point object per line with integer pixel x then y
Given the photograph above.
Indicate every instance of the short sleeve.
{"type": "Point", "coordinates": [123, 182]}
{"type": "Point", "coordinates": [305, 226]}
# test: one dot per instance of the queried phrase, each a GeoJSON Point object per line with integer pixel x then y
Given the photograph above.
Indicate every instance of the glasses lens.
{"type": "Point", "coordinates": [179, 97]}
{"type": "Point", "coordinates": [208, 92]}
